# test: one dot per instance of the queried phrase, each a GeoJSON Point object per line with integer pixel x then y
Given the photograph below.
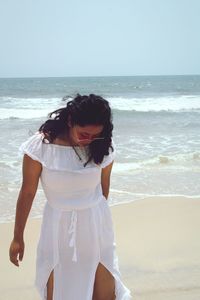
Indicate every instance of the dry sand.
{"type": "Point", "coordinates": [158, 245]}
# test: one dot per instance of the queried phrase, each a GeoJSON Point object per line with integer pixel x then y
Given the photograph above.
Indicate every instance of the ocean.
{"type": "Point", "coordinates": [156, 132]}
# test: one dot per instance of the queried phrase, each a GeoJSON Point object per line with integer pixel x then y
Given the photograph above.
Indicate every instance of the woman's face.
{"type": "Point", "coordinates": [84, 135]}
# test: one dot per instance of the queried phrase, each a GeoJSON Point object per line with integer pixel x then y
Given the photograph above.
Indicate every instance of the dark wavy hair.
{"type": "Point", "coordinates": [82, 111]}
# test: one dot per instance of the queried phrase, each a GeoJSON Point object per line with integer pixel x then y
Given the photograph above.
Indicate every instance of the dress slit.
{"type": "Point", "coordinates": [102, 287]}
{"type": "Point", "coordinates": [121, 291]}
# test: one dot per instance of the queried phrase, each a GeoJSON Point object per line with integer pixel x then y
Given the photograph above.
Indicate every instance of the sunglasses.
{"type": "Point", "coordinates": [84, 139]}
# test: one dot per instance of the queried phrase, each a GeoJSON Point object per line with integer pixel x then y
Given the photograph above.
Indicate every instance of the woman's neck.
{"type": "Point", "coordinates": [65, 139]}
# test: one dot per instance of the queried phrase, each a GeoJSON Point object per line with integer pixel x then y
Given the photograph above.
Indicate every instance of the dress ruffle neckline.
{"type": "Point", "coordinates": [60, 157]}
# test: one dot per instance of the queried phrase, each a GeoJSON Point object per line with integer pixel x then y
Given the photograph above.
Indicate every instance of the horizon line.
{"type": "Point", "coordinates": [100, 76]}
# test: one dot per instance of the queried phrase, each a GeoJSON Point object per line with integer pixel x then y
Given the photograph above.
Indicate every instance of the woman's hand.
{"type": "Point", "coordinates": [31, 173]}
{"type": "Point", "coordinates": [16, 251]}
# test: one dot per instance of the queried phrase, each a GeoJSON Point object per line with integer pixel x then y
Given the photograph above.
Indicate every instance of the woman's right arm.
{"type": "Point", "coordinates": [31, 173]}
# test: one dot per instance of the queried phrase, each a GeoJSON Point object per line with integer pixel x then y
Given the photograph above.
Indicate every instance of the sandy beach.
{"type": "Point", "coordinates": [158, 246]}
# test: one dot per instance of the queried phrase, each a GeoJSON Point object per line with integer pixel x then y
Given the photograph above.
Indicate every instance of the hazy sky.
{"type": "Point", "coordinates": [99, 37]}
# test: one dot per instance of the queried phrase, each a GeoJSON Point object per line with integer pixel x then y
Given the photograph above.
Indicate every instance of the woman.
{"type": "Point", "coordinates": [72, 154]}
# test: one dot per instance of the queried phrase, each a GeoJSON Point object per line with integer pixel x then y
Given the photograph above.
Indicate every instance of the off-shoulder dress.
{"type": "Point", "coordinates": [77, 229]}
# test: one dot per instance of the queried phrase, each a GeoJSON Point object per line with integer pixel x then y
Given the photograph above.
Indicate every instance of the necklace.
{"type": "Point", "coordinates": [80, 158]}
{"type": "Point", "coordinates": [69, 139]}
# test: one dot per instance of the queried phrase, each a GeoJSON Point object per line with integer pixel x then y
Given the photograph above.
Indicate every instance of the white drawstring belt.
{"type": "Point", "coordinates": [72, 231]}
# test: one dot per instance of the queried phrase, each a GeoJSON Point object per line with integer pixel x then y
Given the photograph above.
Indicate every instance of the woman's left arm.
{"type": "Point", "coordinates": [105, 179]}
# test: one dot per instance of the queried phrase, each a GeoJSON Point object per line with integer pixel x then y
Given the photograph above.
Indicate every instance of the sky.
{"type": "Point", "coordinates": [56, 38]}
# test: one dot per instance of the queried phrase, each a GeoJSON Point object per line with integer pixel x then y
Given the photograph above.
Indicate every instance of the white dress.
{"type": "Point", "coordinates": [77, 229]}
